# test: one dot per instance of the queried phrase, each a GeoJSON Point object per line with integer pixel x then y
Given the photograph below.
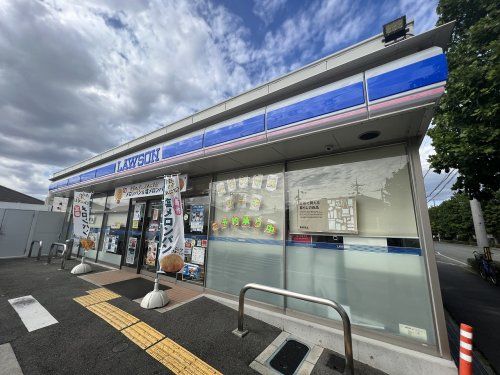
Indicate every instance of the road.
{"type": "Point", "coordinates": [459, 253]}
{"type": "Point", "coordinates": [469, 299]}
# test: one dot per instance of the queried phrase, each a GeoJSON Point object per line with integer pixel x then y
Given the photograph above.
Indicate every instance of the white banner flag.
{"type": "Point", "coordinates": [81, 213]}
{"type": "Point", "coordinates": [171, 257]}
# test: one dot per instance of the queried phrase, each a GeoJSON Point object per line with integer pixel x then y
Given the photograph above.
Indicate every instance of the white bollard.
{"type": "Point", "coordinates": [156, 298]}
{"type": "Point", "coordinates": [81, 268]}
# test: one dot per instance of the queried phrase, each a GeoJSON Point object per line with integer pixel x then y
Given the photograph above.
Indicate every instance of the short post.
{"type": "Point", "coordinates": [39, 255]}
{"type": "Point", "coordinates": [31, 246]}
{"type": "Point", "coordinates": [49, 258]}
{"type": "Point", "coordinates": [465, 362]}
{"type": "Point", "coordinates": [64, 256]}
{"type": "Point", "coordinates": [69, 246]}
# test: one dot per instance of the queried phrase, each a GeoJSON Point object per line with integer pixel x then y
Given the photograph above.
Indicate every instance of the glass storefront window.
{"type": "Point", "coordinates": [97, 206]}
{"type": "Point", "coordinates": [152, 235]}
{"type": "Point", "coordinates": [246, 233]}
{"type": "Point", "coordinates": [114, 230]}
{"type": "Point", "coordinates": [353, 239]}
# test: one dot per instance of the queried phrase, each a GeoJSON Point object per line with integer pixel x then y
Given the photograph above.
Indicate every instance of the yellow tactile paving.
{"type": "Point", "coordinates": [113, 315]}
{"type": "Point", "coordinates": [103, 291]}
{"type": "Point", "coordinates": [143, 335]}
{"type": "Point", "coordinates": [179, 360]}
{"type": "Point", "coordinates": [93, 298]}
{"type": "Point", "coordinates": [170, 354]}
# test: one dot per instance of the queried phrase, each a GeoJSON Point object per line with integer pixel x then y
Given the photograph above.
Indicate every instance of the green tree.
{"type": "Point", "coordinates": [466, 135]}
{"type": "Point", "coordinates": [452, 219]}
{"type": "Point", "coordinates": [491, 214]}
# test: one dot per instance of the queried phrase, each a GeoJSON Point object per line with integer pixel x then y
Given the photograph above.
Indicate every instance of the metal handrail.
{"type": "Point", "coordinates": [240, 332]}
{"type": "Point", "coordinates": [39, 255]}
{"type": "Point", "coordinates": [69, 245]}
{"type": "Point", "coordinates": [55, 245]}
{"type": "Point", "coordinates": [39, 247]}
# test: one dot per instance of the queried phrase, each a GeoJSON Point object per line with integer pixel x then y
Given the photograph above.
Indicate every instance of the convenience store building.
{"type": "Point", "coordinates": [311, 182]}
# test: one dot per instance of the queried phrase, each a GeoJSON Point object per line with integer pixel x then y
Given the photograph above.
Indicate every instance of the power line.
{"type": "Point", "coordinates": [445, 185]}
{"type": "Point", "coordinates": [438, 185]}
{"type": "Point", "coordinates": [426, 173]}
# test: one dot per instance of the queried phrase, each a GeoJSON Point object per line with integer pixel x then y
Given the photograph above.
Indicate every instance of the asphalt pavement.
{"type": "Point", "coordinates": [469, 299]}
{"type": "Point", "coordinates": [82, 341]}
{"type": "Point", "coordinates": [457, 253]}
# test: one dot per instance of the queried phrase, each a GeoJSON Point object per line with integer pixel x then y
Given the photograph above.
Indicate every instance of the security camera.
{"type": "Point", "coordinates": [329, 148]}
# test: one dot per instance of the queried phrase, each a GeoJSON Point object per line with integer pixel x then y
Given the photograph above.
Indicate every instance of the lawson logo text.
{"type": "Point", "coordinates": [144, 158]}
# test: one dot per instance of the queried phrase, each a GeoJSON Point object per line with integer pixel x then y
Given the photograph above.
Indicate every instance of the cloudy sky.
{"type": "Point", "coordinates": [109, 71]}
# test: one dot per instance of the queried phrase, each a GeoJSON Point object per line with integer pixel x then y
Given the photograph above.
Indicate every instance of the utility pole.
{"type": "Point", "coordinates": [478, 219]}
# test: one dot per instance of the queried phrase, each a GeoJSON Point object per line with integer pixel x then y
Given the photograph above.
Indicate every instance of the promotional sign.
{"type": "Point", "coordinates": [328, 215]}
{"type": "Point", "coordinates": [198, 255]}
{"type": "Point", "coordinates": [183, 181]}
{"type": "Point", "coordinates": [81, 213]}
{"type": "Point", "coordinates": [59, 204]}
{"type": "Point", "coordinates": [142, 189]}
{"type": "Point", "coordinates": [197, 218]}
{"type": "Point", "coordinates": [145, 189]}
{"type": "Point", "coordinates": [171, 257]}
{"type": "Point", "coordinates": [151, 253]}
{"type": "Point", "coordinates": [132, 245]}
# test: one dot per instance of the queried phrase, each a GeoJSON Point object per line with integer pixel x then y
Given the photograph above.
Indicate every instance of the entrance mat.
{"type": "Point", "coordinates": [134, 288]}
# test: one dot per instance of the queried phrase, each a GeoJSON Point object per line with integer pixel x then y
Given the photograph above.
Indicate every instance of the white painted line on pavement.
{"type": "Point", "coordinates": [32, 313]}
{"type": "Point", "coordinates": [8, 361]}
{"type": "Point", "coordinates": [453, 259]}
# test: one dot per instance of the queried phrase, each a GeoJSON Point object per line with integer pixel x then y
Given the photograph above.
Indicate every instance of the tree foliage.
{"type": "Point", "coordinates": [491, 213]}
{"type": "Point", "coordinates": [466, 135]}
{"type": "Point", "coordinates": [452, 219]}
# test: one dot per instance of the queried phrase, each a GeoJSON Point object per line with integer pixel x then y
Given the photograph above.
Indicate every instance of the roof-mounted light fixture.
{"type": "Point", "coordinates": [395, 30]}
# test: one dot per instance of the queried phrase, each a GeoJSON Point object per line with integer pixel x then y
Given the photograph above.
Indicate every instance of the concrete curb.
{"type": "Point", "coordinates": [388, 358]}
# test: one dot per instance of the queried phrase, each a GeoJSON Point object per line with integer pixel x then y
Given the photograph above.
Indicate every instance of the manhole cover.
{"type": "Point", "coordinates": [120, 347]}
{"type": "Point", "coordinates": [289, 357]}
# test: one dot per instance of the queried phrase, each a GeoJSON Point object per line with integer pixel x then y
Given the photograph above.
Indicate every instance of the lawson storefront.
{"type": "Point", "coordinates": [311, 182]}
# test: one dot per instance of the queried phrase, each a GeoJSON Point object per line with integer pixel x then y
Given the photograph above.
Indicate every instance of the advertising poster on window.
{"type": "Point", "coordinates": [197, 218]}
{"type": "Point", "coordinates": [198, 255]}
{"type": "Point", "coordinates": [151, 254]}
{"type": "Point", "coordinates": [59, 204]}
{"type": "Point", "coordinates": [328, 215]}
{"type": "Point", "coordinates": [81, 214]}
{"type": "Point", "coordinates": [171, 257]}
{"type": "Point", "coordinates": [132, 246]}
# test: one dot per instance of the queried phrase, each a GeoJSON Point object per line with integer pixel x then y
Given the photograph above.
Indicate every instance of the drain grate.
{"type": "Point", "coordinates": [289, 357]}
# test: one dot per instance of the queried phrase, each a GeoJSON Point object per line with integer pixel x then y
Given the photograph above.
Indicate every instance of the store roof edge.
{"type": "Point", "coordinates": [334, 66]}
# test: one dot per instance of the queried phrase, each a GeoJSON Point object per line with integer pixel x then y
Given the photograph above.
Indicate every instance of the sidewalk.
{"type": "Point", "coordinates": [114, 335]}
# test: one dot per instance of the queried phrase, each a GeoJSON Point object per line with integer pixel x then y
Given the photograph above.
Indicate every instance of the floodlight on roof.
{"type": "Point", "coordinates": [395, 29]}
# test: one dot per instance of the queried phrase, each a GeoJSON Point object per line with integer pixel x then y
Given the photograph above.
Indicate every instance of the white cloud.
{"type": "Point", "coordinates": [267, 9]}
{"type": "Point", "coordinates": [77, 78]}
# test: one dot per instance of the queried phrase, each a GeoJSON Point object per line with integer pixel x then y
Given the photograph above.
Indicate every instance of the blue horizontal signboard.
{"type": "Point", "coordinates": [336, 100]}
{"type": "Point", "coordinates": [87, 176]}
{"type": "Point", "coordinates": [184, 146]}
{"type": "Point", "coordinates": [104, 171]}
{"type": "Point", "coordinates": [409, 77]}
{"type": "Point", "coordinates": [412, 75]}
{"type": "Point", "coordinates": [241, 129]}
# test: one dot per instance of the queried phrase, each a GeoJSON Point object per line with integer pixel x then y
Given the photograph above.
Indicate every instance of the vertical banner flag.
{"type": "Point", "coordinates": [171, 257]}
{"type": "Point", "coordinates": [81, 213]}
